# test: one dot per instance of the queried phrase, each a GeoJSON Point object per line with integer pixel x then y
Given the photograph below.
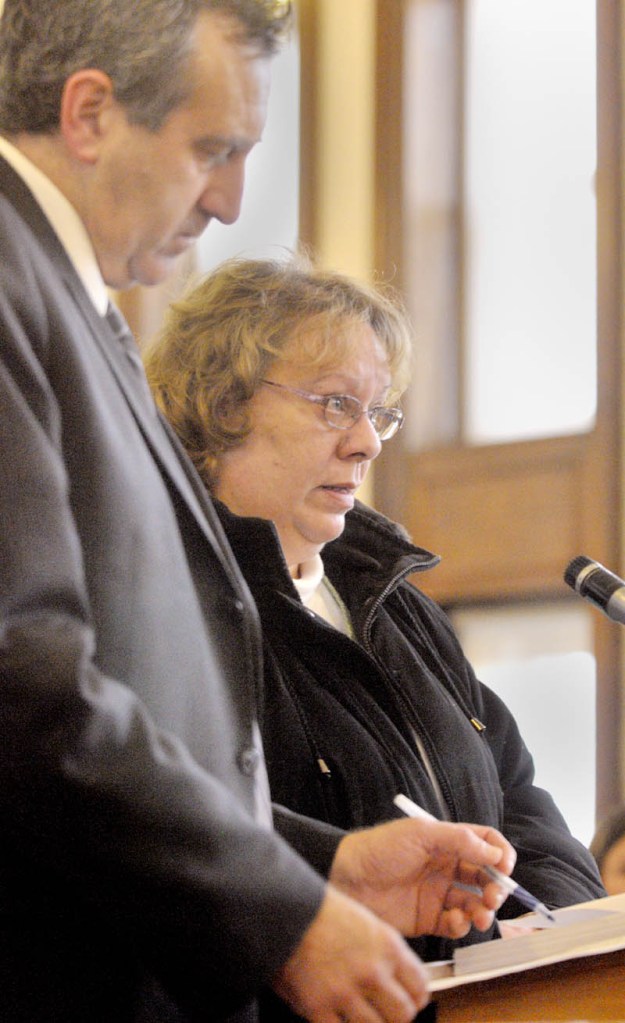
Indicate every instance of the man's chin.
{"type": "Point", "coordinates": [154, 270]}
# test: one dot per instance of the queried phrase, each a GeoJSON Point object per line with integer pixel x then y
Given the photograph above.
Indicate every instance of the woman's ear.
{"type": "Point", "coordinates": [86, 104]}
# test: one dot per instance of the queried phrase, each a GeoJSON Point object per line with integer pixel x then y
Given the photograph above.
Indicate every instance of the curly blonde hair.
{"type": "Point", "coordinates": [220, 339]}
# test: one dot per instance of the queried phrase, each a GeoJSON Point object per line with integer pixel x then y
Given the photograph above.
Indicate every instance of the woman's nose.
{"type": "Point", "coordinates": [361, 439]}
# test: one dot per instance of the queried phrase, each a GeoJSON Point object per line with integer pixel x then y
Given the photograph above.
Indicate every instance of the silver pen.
{"type": "Point", "coordinates": [507, 883]}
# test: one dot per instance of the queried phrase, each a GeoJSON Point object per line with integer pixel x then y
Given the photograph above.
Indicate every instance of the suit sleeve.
{"type": "Point", "coordinates": [314, 840]}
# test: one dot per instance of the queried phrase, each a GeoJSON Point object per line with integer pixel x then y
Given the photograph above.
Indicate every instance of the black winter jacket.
{"type": "Point", "coordinates": [338, 715]}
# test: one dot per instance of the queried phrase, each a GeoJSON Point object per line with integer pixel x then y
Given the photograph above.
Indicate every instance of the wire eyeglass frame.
{"type": "Point", "coordinates": [341, 411]}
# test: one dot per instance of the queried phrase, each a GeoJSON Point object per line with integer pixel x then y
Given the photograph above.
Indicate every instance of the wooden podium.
{"type": "Point", "coordinates": [580, 990]}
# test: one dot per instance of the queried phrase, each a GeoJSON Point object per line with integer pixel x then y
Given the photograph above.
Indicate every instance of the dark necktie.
{"type": "Point", "coordinates": [126, 341]}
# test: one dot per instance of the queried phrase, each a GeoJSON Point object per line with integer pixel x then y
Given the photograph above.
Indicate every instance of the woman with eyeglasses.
{"type": "Point", "coordinates": [282, 382]}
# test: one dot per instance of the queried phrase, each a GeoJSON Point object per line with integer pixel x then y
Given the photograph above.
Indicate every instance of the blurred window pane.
{"type": "Point", "coordinates": [539, 659]}
{"type": "Point", "coordinates": [530, 218]}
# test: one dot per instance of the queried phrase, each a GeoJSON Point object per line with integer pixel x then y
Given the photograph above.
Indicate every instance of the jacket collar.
{"type": "Point", "coordinates": [257, 550]}
{"type": "Point", "coordinates": [377, 544]}
{"type": "Point", "coordinates": [371, 547]}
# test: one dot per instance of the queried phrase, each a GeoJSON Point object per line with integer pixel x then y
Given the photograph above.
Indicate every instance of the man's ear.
{"type": "Point", "coordinates": [86, 104]}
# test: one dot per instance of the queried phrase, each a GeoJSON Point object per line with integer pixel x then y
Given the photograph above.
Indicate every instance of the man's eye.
{"type": "Point", "coordinates": [219, 159]}
{"type": "Point", "coordinates": [216, 157]}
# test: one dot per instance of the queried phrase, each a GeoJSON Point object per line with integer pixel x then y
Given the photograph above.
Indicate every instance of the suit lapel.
{"type": "Point", "coordinates": [164, 445]}
{"type": "Point", "coordinates": [165, 448]}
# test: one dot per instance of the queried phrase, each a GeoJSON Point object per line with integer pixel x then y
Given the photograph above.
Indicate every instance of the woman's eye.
{"type": "Point", "coordinates": [338, 403]}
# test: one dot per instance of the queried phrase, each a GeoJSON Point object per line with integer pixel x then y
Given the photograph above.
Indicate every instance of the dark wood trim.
{"type": "Point", "coordinates": [307, 18]}
{"type": "Point", "coordinates": [461, 297]}
{"type": "Point", "coordinates": [603, 492]}
{"type": "Point", "coordinates": [507, 518]}
{"type": "Point", "coordinates": [388, 175]}
{"type": "Point", "coordinates": [389, 480]}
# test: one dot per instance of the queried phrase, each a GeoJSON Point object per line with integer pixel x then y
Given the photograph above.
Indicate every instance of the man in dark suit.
{"type": "Point", "coordinates": [140, 877]}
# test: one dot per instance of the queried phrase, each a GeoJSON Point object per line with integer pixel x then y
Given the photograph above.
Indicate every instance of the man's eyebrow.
{"type": "Point", "coordinates": [233, 142]}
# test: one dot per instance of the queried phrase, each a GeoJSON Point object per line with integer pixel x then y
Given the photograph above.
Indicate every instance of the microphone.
{"type": "Point", "coordinates": [596, 584]}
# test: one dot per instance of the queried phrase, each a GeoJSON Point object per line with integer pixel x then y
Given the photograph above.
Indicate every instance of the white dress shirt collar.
{"type": "Point", "coordinates": [65, 221]}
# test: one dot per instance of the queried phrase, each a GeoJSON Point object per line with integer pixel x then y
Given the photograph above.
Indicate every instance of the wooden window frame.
{"type": "Point", "coordinates": [508, 517]}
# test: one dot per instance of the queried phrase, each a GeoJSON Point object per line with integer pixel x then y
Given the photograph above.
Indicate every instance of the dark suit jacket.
{"type": "Point", "coordinates": [134, 885]}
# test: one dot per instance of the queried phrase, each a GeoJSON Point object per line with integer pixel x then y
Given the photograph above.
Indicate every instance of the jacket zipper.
{"type": "Point", "coordinates": [439, 783]}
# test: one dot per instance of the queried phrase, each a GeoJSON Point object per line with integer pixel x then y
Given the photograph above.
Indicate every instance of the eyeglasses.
{"type": "Point", "coordinates": [342, 410]}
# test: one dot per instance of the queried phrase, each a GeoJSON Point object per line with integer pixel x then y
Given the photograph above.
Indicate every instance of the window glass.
{"type": "Point", "coordinates": [540, 661]}
{"type": "Point", "coordinates": [530, 219]}
{"type": "Point", "coordinates": [430, 200]}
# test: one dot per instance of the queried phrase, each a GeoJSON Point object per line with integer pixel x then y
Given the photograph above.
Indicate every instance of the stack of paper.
{"type": "Point", "coordinates": [590, 928]}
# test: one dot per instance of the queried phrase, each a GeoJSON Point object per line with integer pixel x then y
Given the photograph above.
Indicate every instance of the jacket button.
{"type": "Point", "coordinates": [248, 760]}
{"type": "Point", "coordinates": [239, 605]}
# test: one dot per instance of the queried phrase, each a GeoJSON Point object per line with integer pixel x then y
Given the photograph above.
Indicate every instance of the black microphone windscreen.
{"type": "Point", "coordinates": [597, 584]}
{"type": "Point", "coordinates": [574, 567]}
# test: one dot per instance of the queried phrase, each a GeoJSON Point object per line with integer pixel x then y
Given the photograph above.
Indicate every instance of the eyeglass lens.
{"type": "Point", "coordinates": [343, 410]}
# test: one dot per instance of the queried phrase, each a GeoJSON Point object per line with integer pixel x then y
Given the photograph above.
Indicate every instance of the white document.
{"type": "Point", "coordinates": [590, 928]}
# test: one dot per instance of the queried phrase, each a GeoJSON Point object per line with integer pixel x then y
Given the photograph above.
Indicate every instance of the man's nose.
{"type": "Point", "coordinates": [224, 192]}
